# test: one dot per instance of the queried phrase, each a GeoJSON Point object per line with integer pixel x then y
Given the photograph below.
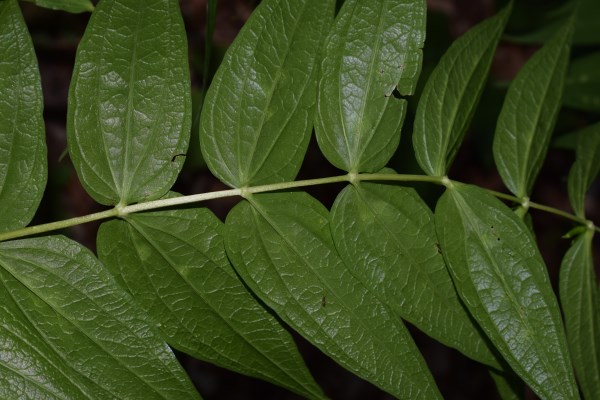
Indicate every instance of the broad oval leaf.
{"type": "Point", "coordinates": [130, 102]}
{"type": "Point", "coordinates": [90, 322]}
{"type": "Point", "coordinates": [586, 167]}
{"type": "Point", "coordinates": [579, 300]}
{"type": "Point", "coordinates": [72, 6]}
{"type": "Point", "coordinates": [23, 168]}
{"type": "Point", "coordinates": [582, 84]}
{"type": "Point", "coordinates": [451, 95]}
{"type": "Point", "coordinates": [502, 279]}
{"type": "Point", "coordinates": [281, 246]}
{"type": "Point", "coordinates": [373, 49]}
{"type": "Point", "coordinates": [386, 236]}
{"type": "Point", "coordinates": [175, 266]}
{"type": "Point", "coordinates": [257, 115]}
{"type": "Point", "coordinates": [529, 113]}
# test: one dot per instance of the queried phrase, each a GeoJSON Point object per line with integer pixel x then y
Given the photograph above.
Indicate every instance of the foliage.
{"type": "Point", "coordinates": [469, 274]}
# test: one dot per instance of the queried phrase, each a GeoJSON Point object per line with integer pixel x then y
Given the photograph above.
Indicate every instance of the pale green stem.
{"type": "Point", "coordinates": [121, 211]}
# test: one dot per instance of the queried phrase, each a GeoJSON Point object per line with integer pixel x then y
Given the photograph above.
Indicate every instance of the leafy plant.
{"type": "Point", "coordinates": [469, 274]}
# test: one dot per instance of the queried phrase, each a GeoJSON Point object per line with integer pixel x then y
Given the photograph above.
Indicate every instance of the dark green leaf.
{"type": "Point", "coordinates": [502, 279]}
{"type": "Point", "coordinates": [72, 6]}
{"type": "Point", "coordinates": [130, 101]}
{"type": "Point", "coordinates": [281, 246]}
{"type": "Point", "coordinates": [529, 113]}
{"type": "Point", "coordinates": [174, 264]}
{"type": "Point", "coordinates": [257, 116]}
{"type": "Point", "coordinates": [586, 167]}
{"type": "Point", "coordinates": [582, 85]}
{"type": "Point", "coordinates": [29, 366]}
{"type": "Point", "coordinates": [508, 384]}
{"type": "Point", "coordinates": [373, 48]}
{"type": "Point", "coordinates": [23, 166]}
{"type": "Point", "coordinates": [386, 237]}
{"type": "Point", "coordinates": [451, 95]}
{"type": "Point", "coordinates": [95, 328]}
{"type": "Point", "coordinates": [579, 298]}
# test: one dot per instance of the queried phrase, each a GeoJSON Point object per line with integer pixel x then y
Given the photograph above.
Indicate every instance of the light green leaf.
{"type": "Point", "coordinates": [503, 281]}
{"type": "Point", "coordinates": [529, 113]}
{"type": "Point", "coordinates": [174, 264]}
{"type": "Point", "coordinates": [23, 168]}
{"type": "Point", "coordinates": [579, 298]}
{"type": "Point", "coordinates": [92, 325]}
{"type": "Point", "coordinates": [582, 85]}
{"type": "Point", "coordinates": [386, 237]}
{"type": "Point", "coordinates": [281, 246]}
{"type": "Point", "coordinates": [373, 48]}
{"type": "Point", "coordinates": [586, 167]}
{"type": "Point", "coordinates": [130, 102]}
{"type": "Point", "coordinates": [72, 6]}
{"type": "Point", "coordinates": [257, 116]}
{"type": "Point", "coordinates": [451, 95]}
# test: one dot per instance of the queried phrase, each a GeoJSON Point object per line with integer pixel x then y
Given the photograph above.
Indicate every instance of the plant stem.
{"type": "Point", "coordinates": [122, 211]}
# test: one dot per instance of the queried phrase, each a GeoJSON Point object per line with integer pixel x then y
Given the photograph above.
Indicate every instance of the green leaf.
{"type": "Point", "coordinates": [373, 48]}
{"type": "Point", "coordinates": [582, 85]}
{"type": "Point", "coordinates": [386, 237]}
{"type": "Point", "coordinates": [174, 264]}
{"type": "Point", "coordinates": [502, 279]}
{"type": "Point", "coordinates": [281, 246]}
{"type": "Point", "coordinates": [130, 102]}
{"type": "Point", "coordinates": [30, 369]}
{"type": "Point", "coordinates": [508, 384]}
{"type": "Point", "coordinates": [529, 113]}
{"type": "Point", "coordinates": [451, 95]}
{"type": "Point", "coordinates": [579, 298]}
{"type": "Point", "coordinates": [257, 116]}
{"type": "Point", "coordinates": [68, 297]}
{"type": "Point", "coordinates": [586, 167]}
{"type": "Point", "coordinates": [72, 6]}
{"type": "Point", "coordinates": [23, 168]}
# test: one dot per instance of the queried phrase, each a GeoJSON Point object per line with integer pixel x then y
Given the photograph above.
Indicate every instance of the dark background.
{"type": "Point", "coordinates": [56, 35]}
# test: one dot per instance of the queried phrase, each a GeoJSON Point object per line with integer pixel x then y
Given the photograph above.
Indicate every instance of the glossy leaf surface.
{"type": "Point", "coordinates": [529, 113]}
{"type": "Point", "coordinates": [281, 246]}
{"type": "Point", "coordinates": [174, 264]}
{"type": "Point", "coordinates": [72, 6]}
{"type": "Point", "coordinates": [586, 167]}
{"type": "Point", "coordinates": [502, 279]}
{"type": "Point", "coordinates": [373, 49]}
{"type": "Point", "coordinates": [130, 102]}
{"type": "Point", "coordinates": [451, 95]}
{"type": "Point", "coordinates": [90, 323]}
{"type": "Point", "coordinates": [579, 300]}
{"type": "Point", "coordinates": [386, 236]}
{"type": "Point", "coordinates": [582, 84]}
{"type": "Point", "coordinates": [23, 167]}
{"type": "Point", "coordinates": [257, 115]}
